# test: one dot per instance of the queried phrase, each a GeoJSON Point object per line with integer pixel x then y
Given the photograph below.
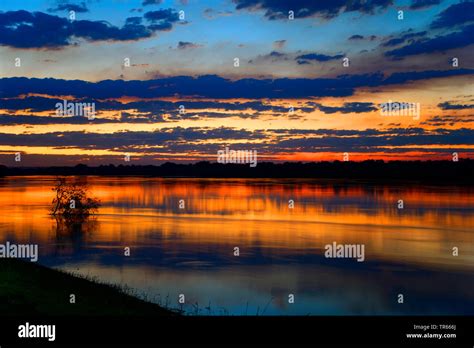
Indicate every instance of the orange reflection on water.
{"type": "Point", "coordinates": [221, 214]}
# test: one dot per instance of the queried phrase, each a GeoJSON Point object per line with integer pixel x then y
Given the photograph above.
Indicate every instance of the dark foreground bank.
{"type": "Point", "coordinates": [29, 289]}
{"type": "Point", "coordinates": [105, 315]}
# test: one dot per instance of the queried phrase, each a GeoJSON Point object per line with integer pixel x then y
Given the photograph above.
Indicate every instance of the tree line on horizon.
{"type": "Point", "coordinates": [462, 170]}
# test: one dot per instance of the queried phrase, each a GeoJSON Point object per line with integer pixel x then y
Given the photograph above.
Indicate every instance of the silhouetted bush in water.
{"type": "Point", "coordinates": [71, 202]}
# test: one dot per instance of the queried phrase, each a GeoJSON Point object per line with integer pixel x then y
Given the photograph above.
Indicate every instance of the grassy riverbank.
{"type": "Point", "coordinates": [30, 289]}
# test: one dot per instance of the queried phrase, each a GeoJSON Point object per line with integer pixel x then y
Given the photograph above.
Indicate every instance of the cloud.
{"type": "Point", "coordinates": [273, 56]}
{"type": "Point", "coordinates": [456, 14]}
{"type": "Point", "coordinates": [306, 58]}
{"type": "Point", "coordinates": [22, 29]}
{"type": "Point", "coordinates": [456, 39]}
{"type": "Point", "coordinates": [133, 21]}
{"type": "Point", "coordinates": [404, 37]}
{"type": "Point", "coordinates": [204, 139]}
{"type": "Point", "coordinates": [279, 44]}
{"type": "Point", "coordinates": [211, 13]}
{"type": "Point", "coordinates": [403, 77]}
{"type": "Point", "coordinates": [70, 7]}
{"type": "Point", "coordinates": [358, 37]}
{"type": "Point", "coordinates": [448, 120]}
{"type": "Point", "coordinates": [311, 8]}
{"type": "Point", "coordinates": [352, 107]}
{"type": "Point", "coordinates": [162, 19]}
{"type": "Point", "coordinates": [45, 120]}
{"type": "Point", "coordinates": [100, 31]}
{"type": "Point", "coordinates": [370, 140]}
{"type": "Point", "coordinates": [450, 106]}
{"type": "Point", "coordinates": [213, 86]}
{"type": "Point", "coordinates": [151, 2]}
{"type": "Point", "coordinates": [171, 137]}
{"type": "Point", "coordinates": [421, 4]}
{"type": "Point", "coordinates": [182, 45]}
{"type": "Point", "coordinates": [167, 15]}
{"type": "Point", "coordinates": [143, 111]}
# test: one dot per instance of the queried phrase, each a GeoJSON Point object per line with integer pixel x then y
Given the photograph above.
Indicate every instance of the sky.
{"type": "Point", "coordinates": [179, 80]}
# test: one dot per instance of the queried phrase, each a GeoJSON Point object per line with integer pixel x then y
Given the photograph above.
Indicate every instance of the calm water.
{"type": "Point", "coordinates": [191, 250]}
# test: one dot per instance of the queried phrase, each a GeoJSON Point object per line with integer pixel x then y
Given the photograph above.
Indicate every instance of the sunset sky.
{"type": "Point", "coordinates": [184, 53]}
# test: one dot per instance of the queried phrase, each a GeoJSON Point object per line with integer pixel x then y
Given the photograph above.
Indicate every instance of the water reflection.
{"type": "Point", "coordinates": [190, 250]}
